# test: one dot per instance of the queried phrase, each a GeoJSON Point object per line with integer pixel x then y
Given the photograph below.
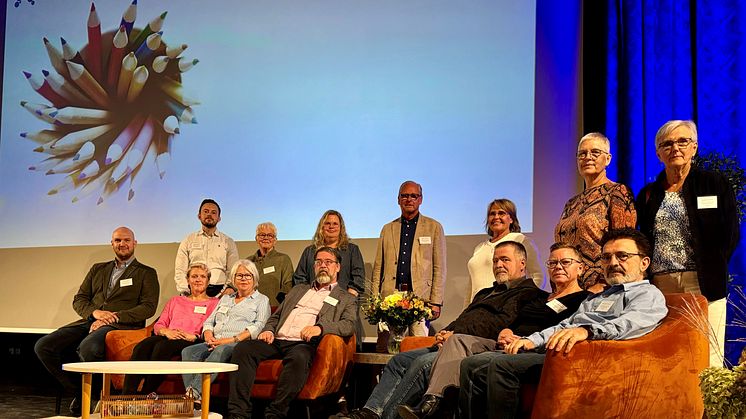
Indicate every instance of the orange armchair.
{"type": "Point", "coordinates": [652, 376]}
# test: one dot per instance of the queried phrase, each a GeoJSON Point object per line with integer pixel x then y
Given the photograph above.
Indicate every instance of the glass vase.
{"type": "Point", "coordinates": [396, 335]}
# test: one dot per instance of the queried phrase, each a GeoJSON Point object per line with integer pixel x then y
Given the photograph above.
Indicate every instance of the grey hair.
{"type": "Point", "coordinates": [267, 225]}
{"type": "Point", "coordinates": [671, 125]}
{"type": "Point", "coordinates": [198, 266]}
{"type": "Point", "coordinates": [410, 182]}
{"type": "Point", "coordinates": [596, 136]}
{"type": "Point", "coordinates": [249, 265]}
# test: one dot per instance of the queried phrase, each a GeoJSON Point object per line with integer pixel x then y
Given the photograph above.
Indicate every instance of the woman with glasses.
{"type": "Point", "coordinates": [178, 326]}
{"type": "Point", "coordinates": [602, 206]}
{"type": "Point", "coordinates": [690, 217]}
{"type": "Point", "coordinates": [237, 317]}
{"type": "Point", "coordinates": [331, 232]}
{"type": "Point", "coordinates": [502, 225]}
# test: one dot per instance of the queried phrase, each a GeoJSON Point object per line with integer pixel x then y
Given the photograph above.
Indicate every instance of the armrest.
{"type": "Point", "coordinates": [120, 343]}
{"type": "Point", "coordinates": [655, 375]}
{"type": "Point", "coordinates": [416, 342]}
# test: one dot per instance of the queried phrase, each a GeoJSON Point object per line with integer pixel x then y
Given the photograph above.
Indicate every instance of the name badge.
{"type": "Point", "coordinates": [125, 282]}
{"type": "Point", "coordinates": [223, 309]}
{"type": "Point", "coordinates": [200, 309]}
{"type": "Point", "coordinates": [426, 240]}
{"type": "Point", "coordinates": [604, 306]}
{"type": "Point", "coordinates": [707, 202]}
{"type": "Point", "coordinates": [195, 246]}
{"type": "Point", "coordinates": [268, 270]}
{"type": "Point", "coordinates": [331, 300]}
{"type": "Point", "coordinates": [556, 306]}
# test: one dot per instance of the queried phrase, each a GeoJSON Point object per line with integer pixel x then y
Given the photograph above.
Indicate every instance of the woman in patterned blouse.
{"type": "Point", "coordinates": [602, 206]}
{"type": "Point", "coordinates": [691, 219]}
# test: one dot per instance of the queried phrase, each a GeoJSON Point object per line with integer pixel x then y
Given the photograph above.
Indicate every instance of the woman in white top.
{"type": "Point", "coordinates": [502, 225]}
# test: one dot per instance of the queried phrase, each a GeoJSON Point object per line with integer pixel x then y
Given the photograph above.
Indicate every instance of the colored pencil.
{"type": "Point", "coordinates": [124, 139]}
{"type": "Point", "coordinates": [55, 58]}
{"type": "Point", "coordinates": [37, 109]}
{"type": "Point", "coordinates": [66, 89]}
{"type": "Point", "coordinates": [48, 148]}
{"type": "Point", "coordinates": [139, 78]}
{"type": "Point", "coordinates": [148, 47]}
{"type": "Point", "coordinates": [163, 158]}
{"type": "Point", "coordinates": [160, 63]}
{"type": "Point", "coordinates": [176, 50]}
{"type": "Point", "coordinates": [71, 54]}
{"type": "Point", "coordinates": [88, 84]}
{"type": "Point", "coordinates": [152, 27]}
{"type": "Point", "coordinates": [129, 16]}
{"type": "Point", "coordinates": [171, 124]}
{"type": "Point", "coordinates": [129, 63]}
{"type": "Point", "coordinates": [76, 138]}
{"type": "Point", "coordinates": [80, 116]}
{"type": "Point", "coordinates": [175, 90]}
{"type": "Point", "coordinates": [93, 185]}
{"type": "Point", "coordinates": [89, 171]}
{"type": "Point", "coordinates": [45, 90]}
{"type": "Point", "coordinates": [136, 152]}
{"type": "Point", "coordinates": [43, 136]}
{"type": "Point", "coordinates": [143, 172]}
{"type": "Point", "coordinates": [183, 64]}
{"type": "Point", "coordinates": [79, 160]}
{"type": "Point", "coordinates": [93, 53]}
{"type": "Point", "coordinates": [69, 182]}
{"type": "Point", "coordinates": [118, 48]}
{"type": "Point", "coordinates": [46, 164]}
{"type": "Point", "coordinates": [184, 113]}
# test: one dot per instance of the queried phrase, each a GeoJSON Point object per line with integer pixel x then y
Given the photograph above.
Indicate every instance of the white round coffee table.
{"type": "Point", "coordinates": [145, 367]}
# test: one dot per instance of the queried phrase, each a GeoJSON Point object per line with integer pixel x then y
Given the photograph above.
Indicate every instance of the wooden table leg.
{"type": "Point", "coordinates": [205, 395]}
{"type": "Point", "coordinates": [85, 403]}
{"type": "Point", "coordinates": [106, 388]}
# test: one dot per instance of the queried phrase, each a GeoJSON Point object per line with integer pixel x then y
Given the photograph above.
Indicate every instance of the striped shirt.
{"type": "Point", "coordinates": [229, 319]}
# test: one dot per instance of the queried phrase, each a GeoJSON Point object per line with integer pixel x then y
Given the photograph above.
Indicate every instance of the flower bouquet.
{"type": "Point", "coordinates": [724, 391]}
{"type": "Point", "coordinates": [399, 311]}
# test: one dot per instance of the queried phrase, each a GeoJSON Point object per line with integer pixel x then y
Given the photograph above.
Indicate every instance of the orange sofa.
{"type": "Point", "coordinates": [654, 376]}
{"type": "Point", "coordinates": [328, 370]}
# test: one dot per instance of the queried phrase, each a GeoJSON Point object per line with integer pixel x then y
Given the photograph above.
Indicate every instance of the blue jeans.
{"type": "Point", "coordinates": [404, 380]}
{"type": "Point", "coordinates": [202, 352]}
{"type": "Point", "coordinates": [491, 381]}
{"type": "Point", "coordinates": [71, 343]}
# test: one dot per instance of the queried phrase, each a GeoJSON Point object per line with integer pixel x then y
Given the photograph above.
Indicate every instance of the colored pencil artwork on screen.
{"type": "Point", "coordinates": [113, 108]}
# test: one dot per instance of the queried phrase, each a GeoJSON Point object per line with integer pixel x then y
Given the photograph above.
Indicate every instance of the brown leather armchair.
{"type": "Point", "coordinates": [333, 357]}
{"type": "Point", "coordinates": [652, 376]}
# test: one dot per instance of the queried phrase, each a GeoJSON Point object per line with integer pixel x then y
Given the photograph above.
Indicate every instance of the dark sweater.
{"type": "Point", "coordinates": [537, 316]}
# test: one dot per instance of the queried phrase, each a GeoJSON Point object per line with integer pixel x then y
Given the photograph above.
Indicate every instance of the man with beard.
{"type": "Point", "coordinates": [630, 308]}
{"type": "Point", "coordinates": [119, 294]}
{"type": "Point", "coordinates": [207, 246]}
{"type": "Point", "coordinates": [292, 333]}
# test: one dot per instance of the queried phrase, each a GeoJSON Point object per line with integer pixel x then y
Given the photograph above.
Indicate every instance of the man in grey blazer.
{"type": "Point", "coordinates": [411, 254]}
{"type": "Point", "coordinates": [292, 333]}
{"type": "Point", "coordinates": [119, 294]}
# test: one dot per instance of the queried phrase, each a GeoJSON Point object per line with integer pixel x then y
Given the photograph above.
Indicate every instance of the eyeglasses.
{"type": "Point", "coordinates": [243, 277]}
{"type": "Point", "coordinates": [498, 213]}
{"type": "Point", "coordinates": [409, 195]}
{"type": "Point", "coordinates": [327, 262]}
{"type": "Point", "coordinates": [680, 142]}
{"type": "Point", "coordinates": [266, 236]}
{"type": "Point", "coordinates": [593, 154]}
{"type": "Point", "coordinates": [566, 262]}
{"type": "Point", "coordinates": [620, 256]}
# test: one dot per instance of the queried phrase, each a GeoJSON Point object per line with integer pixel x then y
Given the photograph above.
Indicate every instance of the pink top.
{"type": "Point", "coordinates": [184, 314]}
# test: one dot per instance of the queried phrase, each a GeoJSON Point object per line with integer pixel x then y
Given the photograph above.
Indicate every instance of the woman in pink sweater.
{"type": "Point", "coordinates": [179, 326]}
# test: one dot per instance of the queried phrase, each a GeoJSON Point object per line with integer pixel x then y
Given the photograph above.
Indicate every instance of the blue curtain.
{"type": "Point", "coordinates": [674, 59]}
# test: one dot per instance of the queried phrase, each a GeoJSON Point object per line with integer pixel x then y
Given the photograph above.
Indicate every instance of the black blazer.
{"type": "Point", "coordinates": [714, 230]}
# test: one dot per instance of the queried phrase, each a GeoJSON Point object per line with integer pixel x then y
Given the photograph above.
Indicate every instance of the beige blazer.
{"type": "Point", "coordinates": [428, 265]}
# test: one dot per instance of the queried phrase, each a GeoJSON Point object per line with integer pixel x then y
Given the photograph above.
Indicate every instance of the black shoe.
{"type": "Point", "coordinates": [75, 408]}
{"type": "Point", "coordinates": [428, 408]}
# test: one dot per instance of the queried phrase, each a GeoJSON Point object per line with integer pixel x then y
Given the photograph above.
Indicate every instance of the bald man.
{"type": "Point", "coordinates": [118, 294]}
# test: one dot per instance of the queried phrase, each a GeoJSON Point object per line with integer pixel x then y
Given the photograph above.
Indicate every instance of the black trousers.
{"type": "Point", "coordinates": [153, 348]}
{"type": "Point", "coordinates": [296, 363]}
